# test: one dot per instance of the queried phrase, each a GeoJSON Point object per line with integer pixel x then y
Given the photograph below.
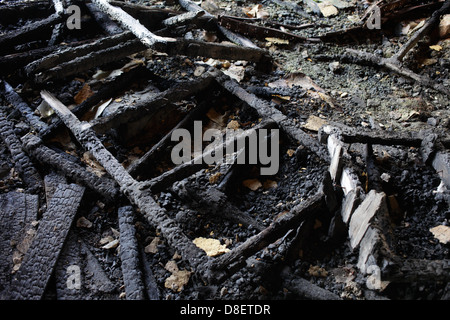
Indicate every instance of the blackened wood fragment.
{"type": "Point", "coordinates": [31, 280]}
{"type": "Point", "coordinates": [151, 287]}
{"type": "Point", "coordinates": [129, 255]}
{"type": "Point", "coordinates": [418, 270]}
{"type": "Point", "coordinates": [21, 160]}
{"type": "Point", "coordinates": [35, 147]}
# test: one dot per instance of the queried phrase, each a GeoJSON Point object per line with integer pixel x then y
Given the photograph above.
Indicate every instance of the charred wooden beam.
{"type": "Point", "coordinates": [31, 280]}
{"type": "Point", "coordinates": [106, 91]}
{"type": "Point", "coordinates": [31, 31]}
{"type": "Point", "coordinates": [109, 26]}
{"type": "Point", "coordinates": [128, 22]}
{"type": "Point", "coordinates": [13, 98]}
{"type": "Point", "coordinates": [276, 230]}
{"type": "Point", "coordinates": [156, 216]}
{"type": "Point", "coordinates": [21, 160]}
{"type": "Point", "coordinates": [265, 111]}
{"type": "Point", "coordinates": [129, 255]}
{"type": "Point", "coordinates": [69, 54]}
{"type": "Point", "coordinates": [35, 147]}
{"type": "Point", "coordinates": [135, 112]}
{"type": "Point", "coordinates": [91, 60]}
{"type": "Point", "coordinates": [304, 288]}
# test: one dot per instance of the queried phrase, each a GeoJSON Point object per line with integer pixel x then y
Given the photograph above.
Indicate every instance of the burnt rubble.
{"type": "Point", "coordinates": [92, 207]}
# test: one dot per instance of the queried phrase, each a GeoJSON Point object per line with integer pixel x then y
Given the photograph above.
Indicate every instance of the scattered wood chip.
{"type": "Point", "coordinates": [111, 245]}
{"type": "Point", "coordinates": [442, 233]}
{"type": "Point", "coordinates": [235, 72]}
{"type": "Point", "coordinates": [252, 184]}
{"type": "Point", "coordinates": [277, 40]}
{"type": "Point", "coordinates": [212, 247]}
{"type": "Point", "coordinates": [444, 27]}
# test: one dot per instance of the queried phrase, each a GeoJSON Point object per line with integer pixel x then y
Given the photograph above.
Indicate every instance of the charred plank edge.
{"type": "Point", "coordinates": [32, 277]}
{"type": "Point", "coordinates": [156, 216]}
{"type": "Point", "coordinates": [36, 148]}
{"type": "Point", "coordinates": [21, 160]}
{"type": "Point", "coordinates": [129, 255]}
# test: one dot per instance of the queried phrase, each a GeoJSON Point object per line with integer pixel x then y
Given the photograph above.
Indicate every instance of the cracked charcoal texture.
{"type": "Point", "coordinates": [17, 212]}
{"type": "Point", "coordinates": [22, 162]}
{"type": "Point", "coordinates": [31, 280]}
{"type": "Point", "coordinates": [129, 255]}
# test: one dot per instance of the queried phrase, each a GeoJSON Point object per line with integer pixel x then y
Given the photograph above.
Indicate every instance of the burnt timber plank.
{"type": "Point", "coordinates": [17, 212]}
{"type": "Point", "coordinates": [129, 255]}
{"type": "Point", "coordinates": [31, 280]}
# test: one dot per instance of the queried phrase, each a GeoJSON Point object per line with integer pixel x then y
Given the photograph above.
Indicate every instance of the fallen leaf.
{"type": "Point", "coordinates": [178, 280]}
{"type": "Point", "coordinates": [436, 47]}
{"type": "Point", "coordinates": [256, 11]}
{"type": "Point", "coordinates": [269, 184]}
{"type": "Point", "coordinates": [252, 184]}
{"type": "Point", "coordinates": [83, 94]}
{"type": "Point", "coordinates": [314, 123]}
{"type": "Point", "coordinates": [171, 266]}
{"type": "Point", "coordinates": [212, 247]}
{"type": "Point", "coordinates": [82, 222]}
{"type": "Point", "coordinates": [317, 271]}
{"type": "Point", "coordinates": [442, 233]}
{"type": "Point", "coordinates": [233, 124]}
{"type": "Point", "coordinates": [235, 72]}
{"type": "Point", "coordinates": [153, 246]}
{"type": "Point", "coordinates": [214, 178]}
{"type": "Point", "coordinates": [328, 10]}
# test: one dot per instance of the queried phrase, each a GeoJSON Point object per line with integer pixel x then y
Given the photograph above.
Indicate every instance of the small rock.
{"type": "Point", "coordinates": [82, 222]}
